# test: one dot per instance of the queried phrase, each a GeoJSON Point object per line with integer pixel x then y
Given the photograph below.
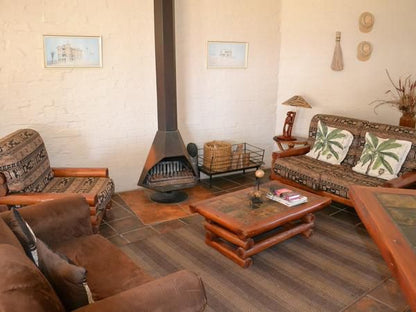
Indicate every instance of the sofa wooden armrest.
{"type": "Point", "coordinates": [179, 291]}
{"type": "Point", "coordinates": [296, 151]}
{"type": "Point", "coordinates": [34, 198]}
{"type": "Point", "coordinates": [80, 172]}
{"type": "Point", "coordinates": [405, 180]}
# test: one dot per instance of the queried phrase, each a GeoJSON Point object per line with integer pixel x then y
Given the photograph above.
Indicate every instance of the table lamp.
{"type": "Point", "coordinates": [296, 101]}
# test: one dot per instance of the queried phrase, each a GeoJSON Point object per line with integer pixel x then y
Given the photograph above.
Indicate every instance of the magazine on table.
{"type": "Point", "coordinates": [286, 196]}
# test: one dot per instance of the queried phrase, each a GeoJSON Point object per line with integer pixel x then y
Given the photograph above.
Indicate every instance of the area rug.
{"type": "Point", "coordinates": [329, 271]}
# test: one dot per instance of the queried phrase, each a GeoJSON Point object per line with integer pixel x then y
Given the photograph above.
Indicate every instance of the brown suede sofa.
{"type": "Point", "coordinates": [116, 282]}
{"type": "Point", "coordinates": [294, 168]}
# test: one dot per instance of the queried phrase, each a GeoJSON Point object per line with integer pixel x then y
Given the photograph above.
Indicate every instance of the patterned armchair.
{"type": "Point", "coordinates": [27, 178]}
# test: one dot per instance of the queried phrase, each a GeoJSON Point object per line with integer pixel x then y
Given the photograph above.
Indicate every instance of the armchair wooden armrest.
{"type": "Point", "coordinates": [34, 198]}
{"type": "Point", "coordinates": [296, 151]}
{"type": "Point", "coordinates": [406, 179]}
{"type": "Point", "coordinates": [80, 172]}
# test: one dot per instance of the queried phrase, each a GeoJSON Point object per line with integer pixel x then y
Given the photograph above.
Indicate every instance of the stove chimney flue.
{"type": "Point", "coordinates": [165, 64]}
{"type": "Point", "coordinates": [168, 166]}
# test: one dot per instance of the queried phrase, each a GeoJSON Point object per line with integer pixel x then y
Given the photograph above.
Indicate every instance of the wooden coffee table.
{"type": "Point", "coordinates": [239, 231]}
{"type": "Point", "coordinates": [389, 214]}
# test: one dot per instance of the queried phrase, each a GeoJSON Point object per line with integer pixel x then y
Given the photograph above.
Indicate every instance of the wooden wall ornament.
{"type": "Point", "coordinates": [364, 50]}
{"type": "Point", "coordinates": [366, 22]}
{"type": "Point", "coordinates": [337, 61]}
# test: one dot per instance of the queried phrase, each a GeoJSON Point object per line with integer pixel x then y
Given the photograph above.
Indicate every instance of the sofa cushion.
{"type": "Point", "coordinates": [24, 161]}
{"type": "Point", "coordinates": [180, 291]}
{"type": "Point", "coordinates": [68, 280]}
{"type": "Point", "coordinates": [319, 175]}
{"type": "Point", "coordinates": [22, 285]}
{"type": "Point", "coordinates": [338, 180]}
{"type": "Point", "coordinates": [382, 158]}
{"type": "Point", "coordinates": [301, 169]}
{"type": "Point", "coordinates": [352, 125]}
{"type": "Point", "coordinates": [331, 144]}
{"type": "Point", "coordinates": [396, 132]}
{"type": "Point", "coordinates": [110, 271]}
{"type": "Point", "coordinates": [55, 221]}
{"type": "Point", "coordinates": [103, 187]}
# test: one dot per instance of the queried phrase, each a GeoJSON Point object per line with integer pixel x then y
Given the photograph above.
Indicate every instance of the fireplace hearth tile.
{"type": "Point", "coordinates": [155, 213]}
{"type": "Point", "coordinates": [149, 212]}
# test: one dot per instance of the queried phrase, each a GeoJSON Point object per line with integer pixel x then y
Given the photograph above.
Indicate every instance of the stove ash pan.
{"type": "Point", "coordinates": [168, 166]}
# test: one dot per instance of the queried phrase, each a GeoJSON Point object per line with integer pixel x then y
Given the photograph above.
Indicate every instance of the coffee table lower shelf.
{"type": "Point", "coordinates": [240, 249]}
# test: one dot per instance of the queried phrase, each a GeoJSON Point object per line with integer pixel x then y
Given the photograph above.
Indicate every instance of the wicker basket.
{"type": "Point", "coordinates": [217, 156]}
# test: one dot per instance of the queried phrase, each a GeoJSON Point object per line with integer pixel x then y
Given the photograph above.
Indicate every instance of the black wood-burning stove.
{"type": "Point", "coordinates": [168, 167]}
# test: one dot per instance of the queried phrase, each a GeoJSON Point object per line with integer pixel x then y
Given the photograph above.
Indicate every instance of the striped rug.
{"type": "Point", "coordinates": [326, 272]}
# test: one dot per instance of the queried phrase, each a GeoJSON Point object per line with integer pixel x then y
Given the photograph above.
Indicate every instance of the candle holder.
{"type": "Point", "coordinates": [256, 195]}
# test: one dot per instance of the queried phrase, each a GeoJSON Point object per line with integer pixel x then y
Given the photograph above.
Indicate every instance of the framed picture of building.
{"type": "Point", "coordinates": [221, 54]}
{"type": "Point", "coordinates": [72, 51]}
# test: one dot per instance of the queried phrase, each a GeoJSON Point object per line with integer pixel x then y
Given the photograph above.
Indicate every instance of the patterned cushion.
{"type": "Point", "coordinates": [103, 187]}
{"type": "Point", "coordinates": [301, 169]}
{"type": "Point", "coordinates": [382, 158]}
{"type": "Point", "coordinates": [338, 180]}
{"type": "Point", "coordinates": [24, 161]}
{"type": "Point", "coordinates": [391, 131]}
{"type": "Point", "coordinates": [331, 144]}
{"type": "Point", "coordinates": [352, 125]}
{"type": "Point", "coordinates": [319, 175]}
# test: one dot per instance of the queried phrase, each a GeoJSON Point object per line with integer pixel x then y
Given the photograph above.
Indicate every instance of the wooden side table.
{"type": "Point", "coordinates": [290, 143]}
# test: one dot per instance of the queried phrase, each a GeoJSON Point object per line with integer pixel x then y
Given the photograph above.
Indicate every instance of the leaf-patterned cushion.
{"type": "Point", "coordinates": [382, 158]}
{"type": "Point", "coordinates": [331, 144]}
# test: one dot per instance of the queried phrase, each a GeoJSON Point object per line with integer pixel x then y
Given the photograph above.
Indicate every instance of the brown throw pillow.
{"type": "Point", "coordinates": [68, 280]}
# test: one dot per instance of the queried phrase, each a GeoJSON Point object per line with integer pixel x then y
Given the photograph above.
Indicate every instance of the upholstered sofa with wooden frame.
{"type": "Point", "coordinates": [294, 168]}
{"type": "Point", "coordinates": [26, 176]}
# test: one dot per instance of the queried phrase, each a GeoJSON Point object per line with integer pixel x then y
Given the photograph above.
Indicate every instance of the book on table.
{"type": "Point", "coordinates": [286, 196]}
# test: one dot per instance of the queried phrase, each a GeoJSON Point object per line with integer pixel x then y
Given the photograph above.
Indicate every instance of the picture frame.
{"type": "Point", "coordinates": [227, 54]}
{"type": "Point", "coordinates": [72, 51]}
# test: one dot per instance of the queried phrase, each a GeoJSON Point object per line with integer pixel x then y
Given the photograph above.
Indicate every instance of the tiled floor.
{"type": "Point", "coordinates": [122, 226]}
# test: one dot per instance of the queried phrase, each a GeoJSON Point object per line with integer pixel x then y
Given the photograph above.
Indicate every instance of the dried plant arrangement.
{"type": "Point", "coordinates": [403, 96]}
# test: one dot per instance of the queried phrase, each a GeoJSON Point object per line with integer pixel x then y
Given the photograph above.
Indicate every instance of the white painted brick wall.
{"type": "Point", "coordinates": [107, 116]}
{"type": "Point", "coordinates": [307, 47]}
